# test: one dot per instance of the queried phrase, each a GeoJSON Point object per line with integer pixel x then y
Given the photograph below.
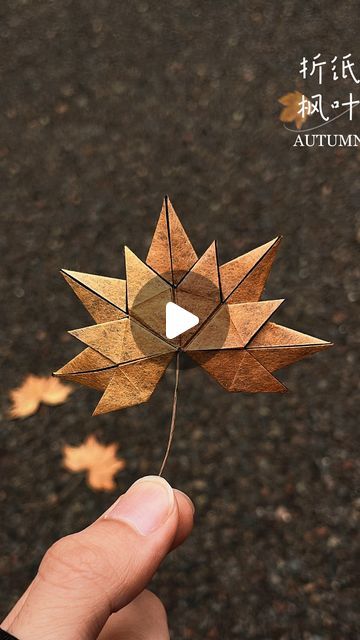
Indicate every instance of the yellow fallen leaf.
{"type": "Point", "coordinates": [54, 392]}
{"type": "Point", "coordinates": [292, 102]}
{"type": "Point", "coordinates": [26, 399]}
{"type": "Point", "coordinates": [98, 460]}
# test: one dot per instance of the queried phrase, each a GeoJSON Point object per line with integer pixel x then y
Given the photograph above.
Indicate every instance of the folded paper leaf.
{"type": "Point", "coordinates": [104, 298]}
{"type": "Point", "coordinates": [280, 357]}
{"type": "Point", "coordinates": [112, 290]}
{"type": "Point", "coordinates": [243, 320]}
{"type": "Point", "coordinates": [275, 335]}
{"type": "Point", "coordinates": [200, 288]}
{"type": "Point", "coordinates": [234, 272]}
{"type": "Point", "coordinates": [97, 379]}
{"type": "Point", "coordinates": [87, 360]}
{"type": "Point", "coordinates": [237, 370]}
{"type": "Point", "coordinates": [133, 383]}
{"type": "Point", "coordinates": [250, 288]}
{"type": "Point", "coordinates": [122, 340]}
{"type": "Point", "coordinates": [235, 341]}
{"type": "Point", "coordinates": [147, 293]}
{"type": "Point", "coordinates": [171, 253]}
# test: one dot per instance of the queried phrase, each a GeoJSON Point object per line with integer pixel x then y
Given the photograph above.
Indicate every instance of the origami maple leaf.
{"type": "Point", "coordinates": [291, 112]}
{"type": "Point", "coordinates": [98, 460]}
{"type": "Point", "coordinates": [235, 340]}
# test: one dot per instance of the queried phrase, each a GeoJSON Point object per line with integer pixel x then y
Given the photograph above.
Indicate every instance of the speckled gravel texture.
{"type": "Point", "coordinates": [106, 106]}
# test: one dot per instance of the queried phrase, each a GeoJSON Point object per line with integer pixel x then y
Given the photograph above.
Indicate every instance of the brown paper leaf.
{"type": "Point", "coordinates": [234, 340]}
{"type": "Point", "coordinates": [200, 289]}
{"type": "Point", "coordinates": [99, 461]}
{"type": "Point", "coordinates": [147, 293]}
{"type": "Point", "coordinates": [98, 379]}
{"type": "Point", "coordinates": [141, 281]}
{"type": "Point", "coordinates": [171, 253]}
{"type": "Point", "coordinates": [276, 346]}
{"type": "Point", "coordinates": [280, 357]}
{"type": "Point", "coordinates": [151, 313]}
{"type": "Point", "coordinates": [159, 254]}
{"type": "Point", "coordinates": [206, 272]}
{"type": "Point", "coordinates": [89, 368]}
{"type": "Point", "coordinates": [94, 379]}
{"type": "Point", "coordinates": [87, 360]}
{"type": "Point", "coordinates": [133, 383]}
{"type": "Point", "coordinates": [236, 370]}
{"type": "Point", "coordinates": [101, 309]}
{"type": "Point", "coordinates": [250, 316]}
{"type": "Point", "coordinates": [252, 286]}
{"type": "Point", "coordinates": [243, 320]}
{"type": "Point", "coordinates": [122, 340]}
{"type": "Point", "coordinates": [112, 290]}
{"type": "Point", "coordinates": [233, 273]}
{"type": "Point", "coordinates": [254, 378]}
{"type": "Point", "coordinates": [26, 399]}
{"type": "Point", "coordinates": [221, 365]}
{"type": "Point", "coordinates": [275, 335]}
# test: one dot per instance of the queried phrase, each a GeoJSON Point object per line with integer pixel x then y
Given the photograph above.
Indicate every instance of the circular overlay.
{"type": "Point", "coordinates": [194, 293]}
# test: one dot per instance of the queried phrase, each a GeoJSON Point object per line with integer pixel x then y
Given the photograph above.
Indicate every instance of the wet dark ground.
{"type": "Point", "coordinates": [104, 107]}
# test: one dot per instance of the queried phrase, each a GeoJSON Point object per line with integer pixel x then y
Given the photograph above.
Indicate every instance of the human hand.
{"type": "Point", "coordinates": [90, 585]}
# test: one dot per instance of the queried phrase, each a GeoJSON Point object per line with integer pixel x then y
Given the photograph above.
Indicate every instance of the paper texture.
{"type": "Point", "coordinates": [235, 340]}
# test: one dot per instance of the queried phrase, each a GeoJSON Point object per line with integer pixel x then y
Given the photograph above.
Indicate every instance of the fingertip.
{"type": "Point", "coordinates": [186, 511]}
{"type": "Point", "coordinates": [146, 506]}
{"type": "Point", "coordinates": [182, 499]}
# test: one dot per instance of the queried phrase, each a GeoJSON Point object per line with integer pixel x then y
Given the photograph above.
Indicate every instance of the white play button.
{"type": "Point", "coordinates": [178, 320]}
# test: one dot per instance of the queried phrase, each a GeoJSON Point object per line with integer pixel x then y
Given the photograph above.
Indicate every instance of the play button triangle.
{"type": "Point", "coordinates": [178, 320]}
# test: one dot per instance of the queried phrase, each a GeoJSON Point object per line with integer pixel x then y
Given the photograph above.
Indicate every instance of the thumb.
{"type": "Point", "coordinates": [85, 577]}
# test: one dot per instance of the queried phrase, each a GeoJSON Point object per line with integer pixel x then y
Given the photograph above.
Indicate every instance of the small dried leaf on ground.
{"type": "Point", "coordinates": [98, 460]}
{"type": "Point", "coordinates": [26, 399]}
{"type": "Point", "coordinates": [292, 103]}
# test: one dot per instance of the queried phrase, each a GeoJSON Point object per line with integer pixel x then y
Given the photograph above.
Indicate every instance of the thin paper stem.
{"type": "Point", "coordinates": [173, 415]}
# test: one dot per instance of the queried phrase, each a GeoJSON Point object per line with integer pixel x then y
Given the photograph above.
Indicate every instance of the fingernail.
{"type": "Point", "coordinates": [145, 506]}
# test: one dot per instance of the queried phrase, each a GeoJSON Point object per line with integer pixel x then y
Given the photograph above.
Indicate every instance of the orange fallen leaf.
{"type": "Point", "coordinates": [26, 399]}
{"type": "Point", "coordinates": [98, 460]}
{"type": "Point", "coordinates": [292, 102]}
